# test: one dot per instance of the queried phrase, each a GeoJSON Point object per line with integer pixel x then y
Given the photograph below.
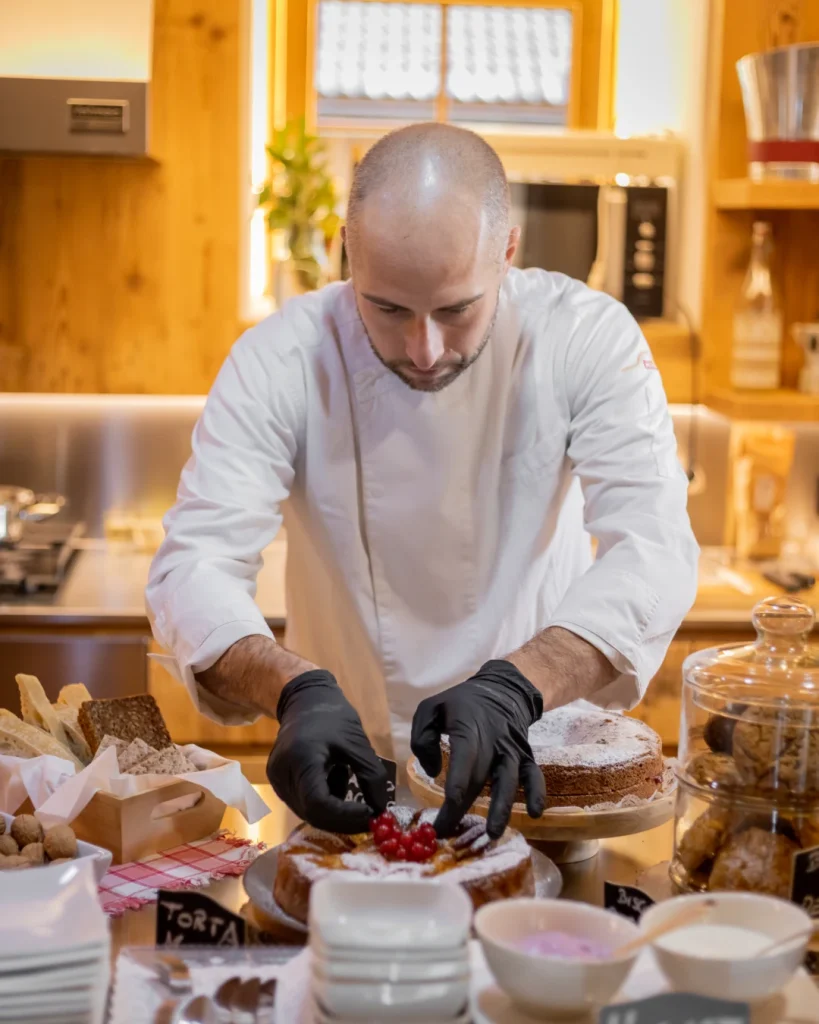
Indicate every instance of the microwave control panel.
{"type": "Point", "coordinates": [644, 264]}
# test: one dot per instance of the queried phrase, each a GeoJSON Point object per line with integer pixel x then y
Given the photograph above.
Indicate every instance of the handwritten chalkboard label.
{"type": "Point", "coordinates": [626, 900]}
{"type": "Point", "coordinates": [192, 919]}
{"type": "Point", "coordinates": [676, 1008]}
{"type": "Point", "coordinates": [354, 791]}
{"type": "Point", "coordinates": [805, 887]}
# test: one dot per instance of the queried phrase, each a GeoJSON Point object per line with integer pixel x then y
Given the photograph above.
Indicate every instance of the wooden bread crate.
{"type": "Point", "coordinates": [135, 826]}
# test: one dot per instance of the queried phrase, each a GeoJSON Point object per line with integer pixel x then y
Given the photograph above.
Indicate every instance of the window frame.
{"type": "Point", "coordinates": [293, 44]}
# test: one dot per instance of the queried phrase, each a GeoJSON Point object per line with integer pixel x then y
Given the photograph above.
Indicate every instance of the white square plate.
{"type": "Point", "coordinates": [49, 910]}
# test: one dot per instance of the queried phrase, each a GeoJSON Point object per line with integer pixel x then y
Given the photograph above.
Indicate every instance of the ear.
{"type": "Point", "coordinates": [511, 247]}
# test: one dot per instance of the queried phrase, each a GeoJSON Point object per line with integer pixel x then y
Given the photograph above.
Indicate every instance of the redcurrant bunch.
{"type": "Point", "coordinates": [419, 844]}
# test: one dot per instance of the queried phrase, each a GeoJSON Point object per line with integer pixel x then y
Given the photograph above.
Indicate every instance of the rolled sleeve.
{"type": "Point", "coordinates": [631, 601]}
{"type": "Point", "coordinates": [202, 584]}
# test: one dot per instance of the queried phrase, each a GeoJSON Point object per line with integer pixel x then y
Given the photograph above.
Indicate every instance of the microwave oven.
{"type": "Point", "coordinates": [616, 238]}
{"type": "Point", "coordinates": [596, 207]}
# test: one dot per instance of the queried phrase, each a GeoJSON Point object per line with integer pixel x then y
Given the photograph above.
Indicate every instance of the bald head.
{"type": "Point", "coordinates": [431, 177]}
{"type": "Point", "coordinates": [429, 242]}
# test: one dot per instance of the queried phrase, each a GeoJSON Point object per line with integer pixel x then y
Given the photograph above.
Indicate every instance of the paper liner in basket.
{"type": "Point", "coordinates": [35, 778]}
{"type": "Point", "coordinates": [70, 793]}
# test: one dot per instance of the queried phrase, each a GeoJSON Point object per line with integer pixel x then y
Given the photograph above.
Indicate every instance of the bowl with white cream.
{"type": "Point", "coordinates": [745, 947]}
{"type": "Point", "coordinates": [555, 958]}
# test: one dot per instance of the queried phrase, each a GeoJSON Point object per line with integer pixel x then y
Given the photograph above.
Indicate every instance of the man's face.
{"type": "Point", "coordinates": [427, 296]}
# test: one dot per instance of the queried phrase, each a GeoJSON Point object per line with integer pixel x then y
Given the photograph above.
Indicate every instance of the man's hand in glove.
{"type": "Point", "coordinates": [320, 737]}
{"type": "Point", "coordinates": [487, 719]}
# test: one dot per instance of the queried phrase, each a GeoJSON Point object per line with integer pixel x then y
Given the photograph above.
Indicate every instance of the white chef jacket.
{"type": "Point", "coordinates": [429, 532]}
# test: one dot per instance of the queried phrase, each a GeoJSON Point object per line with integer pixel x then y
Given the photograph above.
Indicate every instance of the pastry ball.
{"type": "Point", "coordinates": [60, 843]}
{"type": "Point", "coordinates": [2, 826]}
{"type": "Point", "coordinates": [715, 771]}
{"type": "Point", "coordinates": [755, 861]}
{"type": "Point", "coordinates": [8, 847]}
{"type": "Point", "coordinates": [704, 838]}
{"type": "Point", "coordinates": [14, 863]}
{"type": "Point", "coordinates": [26, 829]}
{"type": "Point", "coordinates": [62, 860]}
{"type": "Point", "coordinates": [807, 830]}
{"type": "Point", "coordinates": [34, 852]}
{"type": "Point", "coordinates": [719, 729]}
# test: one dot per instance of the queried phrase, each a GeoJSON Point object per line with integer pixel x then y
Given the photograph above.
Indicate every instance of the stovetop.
{"type": "Point", "coordinates": [39, 561]}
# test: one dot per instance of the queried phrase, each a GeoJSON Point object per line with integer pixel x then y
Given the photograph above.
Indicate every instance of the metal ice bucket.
{"type": "Point", "coordinates": [780, 90]}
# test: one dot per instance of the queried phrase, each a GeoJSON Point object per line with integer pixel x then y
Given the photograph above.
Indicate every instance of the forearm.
{"type": "Point", "coordinates": [252, 674]}
{"type": "Point", "coordinates": [563, 666]}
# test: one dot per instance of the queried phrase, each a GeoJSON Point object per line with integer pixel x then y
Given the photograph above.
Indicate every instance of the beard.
{"type": "Point", "coordinates": [448, 372]}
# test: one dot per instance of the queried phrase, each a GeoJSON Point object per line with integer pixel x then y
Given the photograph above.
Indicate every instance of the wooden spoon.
{"type": "Point", "coordinates": [686, 916]}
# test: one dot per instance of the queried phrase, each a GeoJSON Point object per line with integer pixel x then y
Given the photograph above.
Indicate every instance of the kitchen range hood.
{"type": "Point", "coordinates": [74, 76]}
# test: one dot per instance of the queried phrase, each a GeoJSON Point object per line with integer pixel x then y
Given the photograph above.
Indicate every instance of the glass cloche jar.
{"type": "Point", "coordinates": [748, 795]}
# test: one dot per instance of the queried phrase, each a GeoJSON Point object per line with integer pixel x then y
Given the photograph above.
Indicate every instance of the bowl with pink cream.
{"type": "Point", "coordinates": [555, 958]}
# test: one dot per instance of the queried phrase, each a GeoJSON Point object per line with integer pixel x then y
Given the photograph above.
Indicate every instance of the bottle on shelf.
{"type": "Point", "coordinates": [757, 336]}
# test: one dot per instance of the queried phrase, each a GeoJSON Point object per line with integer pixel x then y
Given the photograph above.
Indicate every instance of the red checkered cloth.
{"type": "Point", "coordinates": [130, 886]}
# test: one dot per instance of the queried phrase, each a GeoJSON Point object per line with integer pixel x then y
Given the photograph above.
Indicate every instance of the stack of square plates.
{"type": "Point", "coordinates": [389, 951]}
{"type": "Point", "coordinates": [54, 946]}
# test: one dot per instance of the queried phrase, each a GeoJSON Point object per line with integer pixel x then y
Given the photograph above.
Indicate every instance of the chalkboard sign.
{"type": "Point", "coordinates": [354, 791]}
{"type": "Point", "coordinates": [805, 888]}
{"type": "Point", "coordinates": [192, 919]}
{"type": "Point", "coordinates": [626, 900]}
{"type": "Point", "coordinates": [676, 1008]}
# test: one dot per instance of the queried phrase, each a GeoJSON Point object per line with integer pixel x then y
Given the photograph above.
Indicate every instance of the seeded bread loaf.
{"type": "Point", "coordinates": [125, 718]}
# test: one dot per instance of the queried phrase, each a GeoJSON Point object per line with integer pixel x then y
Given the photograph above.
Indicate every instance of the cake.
{"type": "Point", "coordinates": [487, 869]}
{"type": "Point", "coordinates": [589, 757]}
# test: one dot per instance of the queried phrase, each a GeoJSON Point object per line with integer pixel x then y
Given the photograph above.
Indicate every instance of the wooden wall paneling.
{"type": "Point", "coordinates": [12, 354]}
{"type": "Point", "coordinates": [126, 272]}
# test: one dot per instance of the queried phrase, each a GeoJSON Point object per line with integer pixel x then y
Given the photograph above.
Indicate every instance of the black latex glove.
{"type": "Point", "coordinates": [320, 738]}
{"type": "Point", "coordinates": [487, 719]}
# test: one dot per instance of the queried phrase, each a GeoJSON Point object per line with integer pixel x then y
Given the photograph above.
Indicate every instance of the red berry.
{"type": "Point", "coordinates": [405, 844]}
{"type": "Point", "coordinates": [426, 833]}
{"type": "Point", "coordinates": [418, 852]}
{"type": "Point", "coordinates": [381, 833]}
{"type": "Point", "coordinates": [389, 848]}
{"type": "Point", "coordinates": [431, 848]}
{"type": "Point", "coordinates": [386, 819]}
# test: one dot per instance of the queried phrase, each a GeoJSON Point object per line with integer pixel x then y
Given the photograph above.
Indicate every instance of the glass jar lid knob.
{"type": "Point", "coordinates": [783, 623]}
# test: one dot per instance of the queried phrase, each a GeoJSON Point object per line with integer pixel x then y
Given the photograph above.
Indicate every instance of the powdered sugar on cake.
{"type": "Point", "coordinates": [482, 857]}
{"type": "Point", "coordinates": [578, 737]}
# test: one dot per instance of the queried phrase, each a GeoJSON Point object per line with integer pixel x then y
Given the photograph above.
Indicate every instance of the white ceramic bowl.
{"type": "Point", "coordinates": [553, 986]}
{"type": "Point", "coordinates": [732, 976]}
{"type": "Point", "coordinates": [382, 913]}
{"type": "Point", "coordinates": [419, 1001]}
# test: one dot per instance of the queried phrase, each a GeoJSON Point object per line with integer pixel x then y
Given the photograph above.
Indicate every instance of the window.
{"type": "Point", "coordinates": [385, 61]}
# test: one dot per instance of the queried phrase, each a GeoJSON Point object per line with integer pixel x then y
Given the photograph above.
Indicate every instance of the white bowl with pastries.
{"type": "Point", "coordinates": [25, 843]}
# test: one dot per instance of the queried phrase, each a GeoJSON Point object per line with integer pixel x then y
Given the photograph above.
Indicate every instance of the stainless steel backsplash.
{"type": "Point", "coordinates": [125, 453]}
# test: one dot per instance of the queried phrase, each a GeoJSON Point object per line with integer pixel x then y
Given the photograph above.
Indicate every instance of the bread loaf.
{"type": "Point", "coordinates": [125, 718]}
{"type": "Point", "coordinates": [19, 739]}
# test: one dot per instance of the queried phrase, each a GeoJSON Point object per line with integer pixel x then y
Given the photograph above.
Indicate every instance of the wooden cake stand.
{"type": "Point", "coordinates": [564, 836]}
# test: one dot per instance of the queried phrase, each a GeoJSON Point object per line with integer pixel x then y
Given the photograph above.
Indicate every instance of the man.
{"type": "Point", "coordinates": [442, 434]}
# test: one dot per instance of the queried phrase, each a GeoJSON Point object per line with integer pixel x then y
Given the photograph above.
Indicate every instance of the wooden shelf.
{"type": "Point", "coordinates": [783, 404]}
{"type": "Point", "coordinates": [744, 194]}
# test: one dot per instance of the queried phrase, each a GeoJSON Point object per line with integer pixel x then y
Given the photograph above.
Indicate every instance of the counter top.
{"type": "Point", "coordinates": [106, 583]}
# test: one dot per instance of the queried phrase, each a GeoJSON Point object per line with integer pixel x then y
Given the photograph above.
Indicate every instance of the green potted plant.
{"type": "Point", "coordinates": [300, 201]}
